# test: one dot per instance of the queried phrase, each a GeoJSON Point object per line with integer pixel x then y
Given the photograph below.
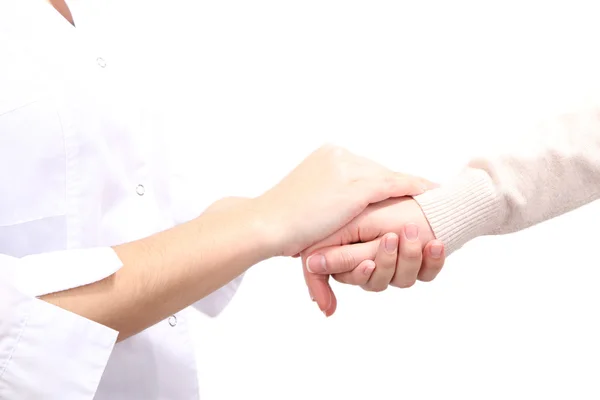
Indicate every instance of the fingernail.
{"type": "Point", "coordinates": [316, 264]}
{"type": "Point", "coordinates": [411, 231]}
{"type": "Point", "coordinates": [369, 268]}
{"type": "Point", "coordinates": [436, 250]}
{"type": "Point", "coordinates": [391, 244]}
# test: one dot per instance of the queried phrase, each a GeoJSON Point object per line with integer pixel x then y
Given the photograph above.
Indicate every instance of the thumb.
{"type": "Point", "coordinates": [320, 290]}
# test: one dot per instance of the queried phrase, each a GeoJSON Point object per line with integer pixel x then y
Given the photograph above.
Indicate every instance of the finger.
{"type": "Point", "coordinates": [338, 259]}
{"type": "Point", "coordinates": [409, 257]}
{"type": "Point", "coordinates": [320, 291]}
{"type": "Point", "coordinates": [341, 237]}
{"type": "Point", "coordinates": [359, 276]}
{"type": "Point", "coordinates": [426, 183]}
{"type": "Point", "coordinates": [433, 261]}
{"type": "Point", "coordinates": [406, 185]}
{"type": "Point", "coordinates": [394, 184]}
{"type": "Point", "coordinates": [332, 305]}
{"type": "Point", "coordinates": [388, 184]}
{"type": "Point", "coordinates": [385, 264]}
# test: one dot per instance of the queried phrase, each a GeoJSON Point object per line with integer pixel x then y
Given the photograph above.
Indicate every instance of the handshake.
{"type": "Point", "coordinates": [349, 218]}
{"type": "Point", "coordinates": [389, 243]}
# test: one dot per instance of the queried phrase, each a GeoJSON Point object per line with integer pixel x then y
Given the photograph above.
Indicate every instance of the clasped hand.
{"type": "Point", "coordinates": [348, 218]}
{"type": "Point", "coordinates": [389, 243]}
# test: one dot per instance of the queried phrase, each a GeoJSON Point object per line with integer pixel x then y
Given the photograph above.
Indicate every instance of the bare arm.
{"type": "Point", "coordinates": [169, 271]}
{"type": "Point", "coordinates": [164, 273]}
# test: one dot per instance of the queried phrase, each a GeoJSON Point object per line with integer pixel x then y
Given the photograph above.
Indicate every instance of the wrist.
{"type": "Point", "coordinates": [264, 229]}
{"type": "Point", "coordinates": [462, 209]}
{"type": "Point", "coordinates": [268, 226]}
{"type": "Point", "coordinates": [241, 225]}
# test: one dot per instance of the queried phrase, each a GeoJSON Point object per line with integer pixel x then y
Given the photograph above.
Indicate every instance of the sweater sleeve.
{"type": "Point", "coordinates": [555, 169]}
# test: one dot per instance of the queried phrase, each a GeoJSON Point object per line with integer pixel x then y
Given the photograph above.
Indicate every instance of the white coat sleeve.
{"type": "Point", "coordinates": [47, 352]}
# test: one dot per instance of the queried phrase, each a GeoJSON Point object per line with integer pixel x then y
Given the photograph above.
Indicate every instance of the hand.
{"type": "Point", "coordinates": [398, 247]}
{"type": "Point", "coordinates": [325, 192]}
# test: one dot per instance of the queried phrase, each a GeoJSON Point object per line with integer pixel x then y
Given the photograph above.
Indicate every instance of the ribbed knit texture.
{"type": "Point", "coordinates": [462, 209]}
{"type": "Point", "coordinates": [549, 172]}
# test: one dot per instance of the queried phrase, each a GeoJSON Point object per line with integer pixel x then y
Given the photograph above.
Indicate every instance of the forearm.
{"type": "Point", "coordinates": [169, 271]}
{"type": "Point", "coordinates": [554, 170]}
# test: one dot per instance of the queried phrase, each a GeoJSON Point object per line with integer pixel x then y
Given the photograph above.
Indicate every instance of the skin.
{"type": "Point", "coordinates": [390, 243]}
{"type": "Point", "coordinates": [171, 270]}
{"type": "Point", "coordinates": [166, 272]}
{"type": "Point", "coordinates": [62, 7]}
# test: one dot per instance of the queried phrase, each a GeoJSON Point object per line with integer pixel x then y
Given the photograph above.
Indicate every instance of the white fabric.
{"type": "Point", "coordinates": [77, 138]}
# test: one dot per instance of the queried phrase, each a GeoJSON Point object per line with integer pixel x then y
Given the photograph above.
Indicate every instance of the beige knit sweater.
{"type": "Point", "coordinates": [555, 170]}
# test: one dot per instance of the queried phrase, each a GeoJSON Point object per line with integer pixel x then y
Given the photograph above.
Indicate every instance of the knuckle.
{"type": "Point", "coordinates": [405, 284]}
{"type": "Point", "coordinates": [335, 152]}
{"type": "Point", "coordinates": [341, 260]}
{"type": "Point", "coordinates": [390, 265]}
{"type": "Point", "coordinates": [347, 235]}
{"type": "Point", "coordinates": [392, 182]}
{"type": "Point", "coordinates": [345, 174]}
{"type": "Point", "coordinates": [376, 285]}
{"type": "Point", "coordinates": [388, 179]}
{"type": "Point", "coordinates": [378, 288]}
{"type": "Point", "coordinates": [357, 281]}
{"type": "Point", "coordinates": [327, 148]}
{"type": "Point", "coordinates": [411, 253]}
{"type": "Point", "coordinates": [438, 264]}
{"type": "Point", "coordinates": [350, 278]}
{"type": "Point", "coordinates": [367, 233]}
{"type": "Point", "coordinates": [340, 168]}
{"type": "Point", "coordinates": [435, 267]}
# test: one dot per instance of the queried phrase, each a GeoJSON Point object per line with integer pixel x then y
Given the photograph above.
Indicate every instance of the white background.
{"type": "Point", "coordinates": [251, 87]}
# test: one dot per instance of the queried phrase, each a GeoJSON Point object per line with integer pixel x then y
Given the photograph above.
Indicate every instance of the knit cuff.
{"type": "Point", "coordinates": [462, 209]}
